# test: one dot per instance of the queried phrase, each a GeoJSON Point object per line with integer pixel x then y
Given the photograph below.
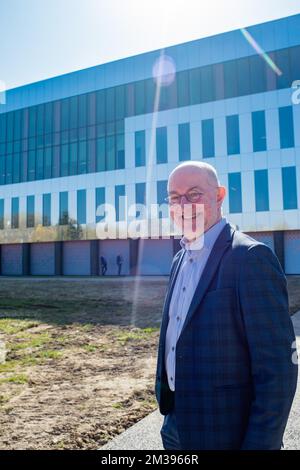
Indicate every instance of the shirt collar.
{"type": "Point", "coordinates": [206, 239]}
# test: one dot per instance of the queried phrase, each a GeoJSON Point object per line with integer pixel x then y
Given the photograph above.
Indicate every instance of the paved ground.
{"type": "Point", "coordinates": [145, 435]}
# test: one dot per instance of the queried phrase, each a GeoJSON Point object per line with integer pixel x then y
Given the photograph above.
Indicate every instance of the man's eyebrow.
{"type": "Point", "coordinates": [190, 189]}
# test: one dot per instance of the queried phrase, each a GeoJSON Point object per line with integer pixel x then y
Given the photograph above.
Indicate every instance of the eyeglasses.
{"type": "Point", "coordinates": [191, 196]}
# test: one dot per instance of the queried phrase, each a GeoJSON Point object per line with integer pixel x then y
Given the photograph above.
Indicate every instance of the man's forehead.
{"type": "Point", "coordinates": [188, 179]}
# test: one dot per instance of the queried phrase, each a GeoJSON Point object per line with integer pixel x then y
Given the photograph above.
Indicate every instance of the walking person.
{"type": "Point", "coordinates": [119, 264]}
{"type": "Point", "coordinates": [103, 265]}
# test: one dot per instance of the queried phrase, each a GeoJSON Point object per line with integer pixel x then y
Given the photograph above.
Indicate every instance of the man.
{"type": "Point", "coordinates": [119, 260]}
{"type": "Point", "coordinates": [225, 376]}
{"type": "Point", "coordinates": [103, 263]}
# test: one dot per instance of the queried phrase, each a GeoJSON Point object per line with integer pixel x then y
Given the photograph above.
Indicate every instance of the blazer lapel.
{"type": "Point", "coordinates": [222, 243]}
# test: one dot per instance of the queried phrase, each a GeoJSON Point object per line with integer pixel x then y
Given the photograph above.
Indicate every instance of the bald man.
{"type": "Point", "coordinates": [225, 375]}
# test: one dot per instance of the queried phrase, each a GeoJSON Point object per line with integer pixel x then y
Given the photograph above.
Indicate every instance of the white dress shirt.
{"type": "Point", "coordinates": [188, 277]}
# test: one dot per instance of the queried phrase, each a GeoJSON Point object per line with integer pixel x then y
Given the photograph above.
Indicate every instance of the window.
{"type": "Point", "coordinates": [30, 212]}
{"type": "Point", "coordinates": [63, 208]}
{"type": "Point", "coordinates": [100, 106]}
{"type": "Point", "coordinates": [289, 187]}
{"type": "Point", "coordinates": [162, 193]}
{"type": "Point", "coordinates": [82, 158]}
{"type": "Point", "coordinates": [194, 82]}
{"type": "Point", "coordinates": [64, 160]}
{"type": "Point", "coordinates": [282, 60]}
{"type": "Point", "coordinates": [208, 141]}
{"type": "Point", "coordinates": [120, 102]}
{"type": "Point", "coordinates": [110, 153]}
{"type": "Point", "coordinates": [161, 145]}
{"type": "Point", "coordinates": [140, 148]}
{"type": "Point", "coordinates": [15, 212]}
{"type": "Point", "coordinates": [184, 141]}
{"type": "Point", "coordinates": [261, 190]}
{"type": "Point", "coordinates": [1, 214]}
{"type": "Point", "coordinates": [139, 97]}
{"type": "Point", "coordinates": [140, 193]}
{"type": "Point", "coordinates": [47, 162]}
{"type": "Point", "coordinates": [9, 168]}
{"type": "Point", "coordinates": [120, 202]}
{"type": "Point", "coordinates": [100, 199]}
{"type": "Point", "coordinates": [243, 76]}
{"type": "Point", "coordinates": [65, 115]}
{"type": "Point", "coordinates": [73, 158]}
{"type": "Point", "coordinates": [81, 206]}
{"type": "Point", "coordinates": [31, 165]}
{"type": "Point", "coordinates": [257, 68]}
{"type": "Point", "coordinates": [120, 155]}
{"type": "Point", "coordinates": [46, 209]}
{"type": "Point", "coordinates": [286, 127]}
{"type": "Point", "coordinates": [183, 93]}
{"type": "Point", "coordinates": [16, 167]}
{"type": "Point", "coordinates": [230, 79]}
{"type": "Point", "coordinates": [110, 104]}
{"type": "Point", "coordinates": [235, 192]}
{"type": "Point", "coordinates": [100, 155]}
{"type": "Point", "coordinates": [233, 138]}
{"type": "Point", "coordinates": [39, 173]}
{"type": "Point", "coordinates": [82, 107]}
{"type": "Point", "coordinates": [258, 131]}
{"type": "Point", "coordinates": [2, 169]}
{"type": "Point", "coordinates": [140, 196]}
{"type": "Point", "coordinates": [40, 119]}
{"type": "Point", "coordinates": [206, 84]}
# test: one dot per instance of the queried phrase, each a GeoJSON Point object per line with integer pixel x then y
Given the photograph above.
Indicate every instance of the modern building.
{"type": "Point", "coordinates": [73, 142]}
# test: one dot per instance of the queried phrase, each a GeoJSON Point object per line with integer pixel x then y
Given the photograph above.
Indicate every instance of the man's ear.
{"type": "Point", "coordinates": [221, 194]}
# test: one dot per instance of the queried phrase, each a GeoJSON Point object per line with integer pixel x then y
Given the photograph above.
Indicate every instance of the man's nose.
{"type": "Point", "coordinates": [183, 200]}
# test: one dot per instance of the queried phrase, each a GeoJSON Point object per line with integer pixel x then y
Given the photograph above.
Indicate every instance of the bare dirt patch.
{"type": "Point", "coordinates": [81, 360]}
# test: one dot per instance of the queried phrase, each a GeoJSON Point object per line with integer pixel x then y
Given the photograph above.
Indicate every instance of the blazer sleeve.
{"type": "Point", "coordinates": [264, 305]}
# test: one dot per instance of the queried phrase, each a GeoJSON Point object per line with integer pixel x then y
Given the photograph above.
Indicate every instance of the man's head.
{"type": "Point", "coordinates": [200, 206]}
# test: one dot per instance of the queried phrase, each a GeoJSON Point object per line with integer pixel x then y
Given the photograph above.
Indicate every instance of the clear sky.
{"type": "Point", "coordinates": [44, 38]}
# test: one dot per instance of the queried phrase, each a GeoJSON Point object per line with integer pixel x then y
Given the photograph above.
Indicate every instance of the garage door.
{"type": "Point", "coordinates": [76, 258]}
{"type": "Point", "coordinates": [42, 258]}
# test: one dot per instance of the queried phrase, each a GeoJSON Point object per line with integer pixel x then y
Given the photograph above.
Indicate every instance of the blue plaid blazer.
{"type": "Point", "coordinates": [235, 379]}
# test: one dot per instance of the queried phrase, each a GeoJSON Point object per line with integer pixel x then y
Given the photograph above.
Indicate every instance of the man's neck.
{"type": "Point", "coordinates": [190, 240]}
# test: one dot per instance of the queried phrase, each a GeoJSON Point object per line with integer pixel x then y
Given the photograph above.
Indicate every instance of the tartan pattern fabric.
{"type": "Point", "coordinates": [235, 379]}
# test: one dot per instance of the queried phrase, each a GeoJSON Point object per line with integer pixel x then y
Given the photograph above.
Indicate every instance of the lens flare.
{"type": "Point", "coordinates": [260, 51]}
{"type": "Point", "coordinates": [164, 70]}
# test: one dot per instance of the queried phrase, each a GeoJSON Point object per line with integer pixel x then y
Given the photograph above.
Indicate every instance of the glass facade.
{"type": "Point", "coordinates": [261, 190]}
{"type": "Point", "coordinates": [235, 193]}
{"type": "Point", "coordinates": [208, 140]}
{"type": "Point", "coordinates": [259, 131]}
{"type": "Point", "coordinates": [85, 133]}
{"type": "Point", "coordinates": [289, 187]}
